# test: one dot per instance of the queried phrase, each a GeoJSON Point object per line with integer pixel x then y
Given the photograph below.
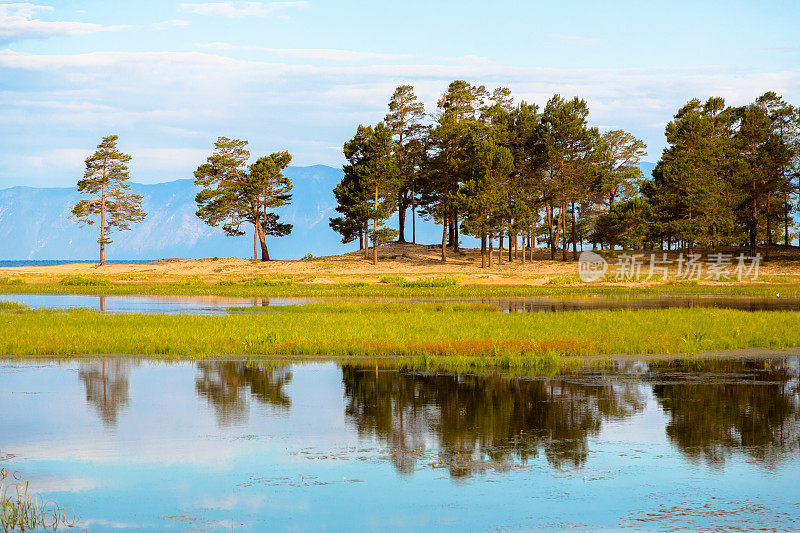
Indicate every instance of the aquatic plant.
{"type": "Point", "coordinates": [22, 511]}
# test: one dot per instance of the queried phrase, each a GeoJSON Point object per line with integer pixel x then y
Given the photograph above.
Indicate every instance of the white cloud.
{"type": "Point", "coordinates": [220, 46]}
{"type": "Point", "coordinates": [323, 54]}
{"type": "Point", "coordinates": [332, 54]}
{"type": "Point", "coordinates": [168, 24]}
{"type": "Point", "coordinates": [158, 100]}
{"type": "Point", "coordinates": [17, 22]}
{"type": "Point", "coordinates": [240, 9]}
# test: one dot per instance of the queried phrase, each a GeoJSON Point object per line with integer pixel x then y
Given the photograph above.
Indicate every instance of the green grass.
{"type": "Point", "coordinates": [455, 335]}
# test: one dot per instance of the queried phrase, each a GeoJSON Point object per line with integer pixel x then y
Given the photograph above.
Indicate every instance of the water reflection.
{"type": "Point", "coordinates": [322, 446]}
{"type": "Point", "coordinates": [480, 421]}
{"type": "Point", "coordinates": [223, 384]}
{"type": "Point", "coordinates": [731, 406]}
{"type": "Point", "coordinates": [107, 389]}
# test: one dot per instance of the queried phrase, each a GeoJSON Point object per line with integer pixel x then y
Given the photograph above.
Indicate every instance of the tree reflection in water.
{"type": "Point", "coordinates": [480, 422]}
{"type": "Point", "coordinates": [721, 407]}
{"type": "Point", "coordinates": [106, 384]}
{"type": "Point", "coordinates": [223, 384]}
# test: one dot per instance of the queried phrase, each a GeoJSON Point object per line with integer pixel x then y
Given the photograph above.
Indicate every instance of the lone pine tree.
{"type": "Point", "coordinates": [106, 182]}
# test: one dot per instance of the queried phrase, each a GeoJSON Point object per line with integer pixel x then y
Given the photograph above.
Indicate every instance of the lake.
{"type": "Point", "coordinates": [141, 445]}
{"type": "Point", "coordinates": [218, 305]}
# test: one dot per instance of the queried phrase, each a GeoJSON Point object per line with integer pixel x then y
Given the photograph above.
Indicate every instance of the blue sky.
{"type": "Point", "coordinates": [169, 77]}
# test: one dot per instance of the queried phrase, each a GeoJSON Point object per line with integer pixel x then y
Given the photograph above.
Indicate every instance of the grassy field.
{"type": "Point", "coordinates": [450, 334]}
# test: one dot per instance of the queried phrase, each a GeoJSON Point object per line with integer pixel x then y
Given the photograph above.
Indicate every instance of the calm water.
{"type": "Point", "coordinates": [196, 305]}
{"type": "Point", "coordinates": [220, 304]}
{"type": "Point", "coordinates": [149, 446]}
{"type": "Point", "coordinates": [6, 263]}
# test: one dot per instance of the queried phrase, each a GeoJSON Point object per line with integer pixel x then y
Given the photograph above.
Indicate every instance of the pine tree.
{"type": "Point", "coordinates": [369, 186]}
{"type": "Point", "coordinates": [570, 143]}
{"type": "Point", "coordinates": [265, 189]}
{"type": "Point", "coordinates": [234, 194]}
{"type": "Point", "coordinates": [405, 120]}
{"type": "Point", "coordinates": [106, 181]}
{"type": "Point", "coordinates": [447, 168]}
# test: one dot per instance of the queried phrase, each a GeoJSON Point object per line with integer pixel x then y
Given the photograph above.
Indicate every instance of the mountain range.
{"type": "Point", "coordinates": [35, 224]}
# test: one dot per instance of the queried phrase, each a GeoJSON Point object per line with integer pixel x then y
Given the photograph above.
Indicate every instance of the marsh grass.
{"type": "Point", "coordinates": [10, 307]}
{"type": "Point", "coordinates": [459, 335]}
{"type": "Point", "coordinates": [22, 511]}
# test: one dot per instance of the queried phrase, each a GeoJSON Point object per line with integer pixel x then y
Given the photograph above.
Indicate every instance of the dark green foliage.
{"type": "Point", "coordinates": [369, 188]}
{"type": "Point", "coordinates": [233, 195]}
{"type": "Point", "coordinates": [106, 182]}
{"type": "Point", "coordinates": [490, 169]}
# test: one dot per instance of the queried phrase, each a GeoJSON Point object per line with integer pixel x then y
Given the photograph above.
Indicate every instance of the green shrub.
{"type": "Point", "coordinates": [352, 284]}
{"type": "Point", "coordinates": [260, 282]}
{"type": "Point", "coordinates": [80, 281]}
{"type": "Point", "coordinates": [11, 281]}
{"type": "Point", "coordinates": [447, 281]}
{"type": "Point", "coordinates": [570, 279]}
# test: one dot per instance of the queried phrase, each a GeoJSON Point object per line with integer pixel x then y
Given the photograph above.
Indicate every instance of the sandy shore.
{"type": "Point", "coordinates": [410, 260]}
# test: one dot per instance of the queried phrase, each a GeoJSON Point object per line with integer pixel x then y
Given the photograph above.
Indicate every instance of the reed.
{"type": "Point", "coordinates": [22, 511]}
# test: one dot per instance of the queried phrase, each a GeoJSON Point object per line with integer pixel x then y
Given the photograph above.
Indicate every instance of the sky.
{"type": "Point", "coordinates": [169, 77]}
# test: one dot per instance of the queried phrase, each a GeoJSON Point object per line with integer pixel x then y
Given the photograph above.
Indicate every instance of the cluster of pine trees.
{"type": "Point", "coordinates": [728, 177]}
{"type": "Point", "coordinates": [521, 175]}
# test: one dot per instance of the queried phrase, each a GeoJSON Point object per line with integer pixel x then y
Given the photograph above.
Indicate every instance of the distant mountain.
{"type": "Point", "coordinates": [35, 224]}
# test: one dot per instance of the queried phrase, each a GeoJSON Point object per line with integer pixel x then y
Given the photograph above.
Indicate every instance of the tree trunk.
{"type": "Point", "coordinates": [574, 240]}
{"type": "Point", "coordinates": [455, 233]}
{"type": "Point", "coordinates": [401, 219]}
{"type": "Point", "coordinates": [413, 224]}
{"type": "Point", "coordinates": [255, 242]}
{"type": "Point", "coordinates": [786, 219]}
{"type": "Point", "coordinates": [445, 225]}
{"type": "Point", "coordinates": [500, 247]}
{"type": "Point", "coordinates": [263, 241]}
{"type": "Point", "coordinates": [491, 251]}
{"type": "Point", "coordinates": [550, 241]}
{"type": "Point", "coordinates": [103, 218]}
{"type": "Point", "coordinates": [366, 241]}
{"type": "Point", "coordinates": [483, 250]}
{"type": "Point", "coordinates": [451, 234]}
{"type": "Point", "coordinates": [375, 231]}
